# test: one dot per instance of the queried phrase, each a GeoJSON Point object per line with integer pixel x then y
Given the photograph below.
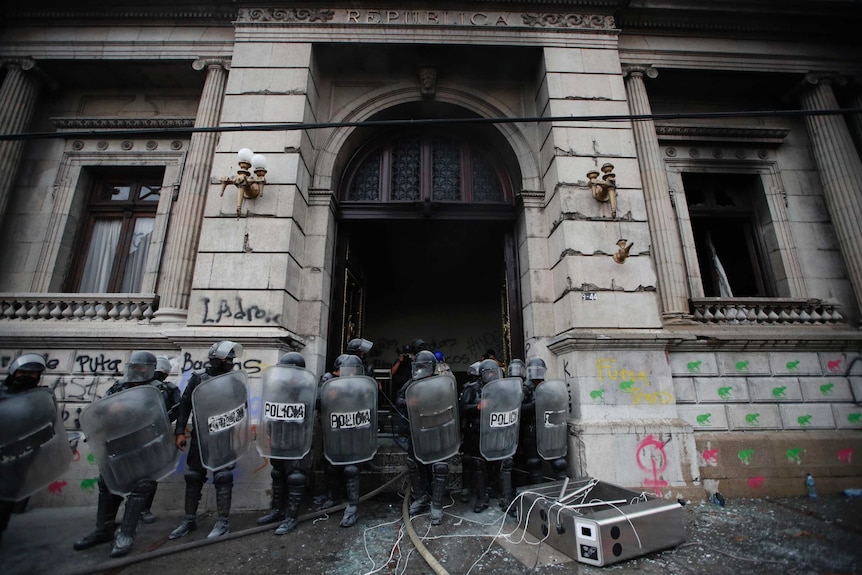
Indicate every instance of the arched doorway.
{"type": "Point", "coordinates": [425, 246]}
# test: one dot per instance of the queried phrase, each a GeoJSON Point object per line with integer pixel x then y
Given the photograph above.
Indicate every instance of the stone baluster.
{"type": "Point", "coordinates": [666, 244]}
{"type": "Point", "coordinates": [181, 245]}
{"type": "Point", "coordinates": [840, 172]}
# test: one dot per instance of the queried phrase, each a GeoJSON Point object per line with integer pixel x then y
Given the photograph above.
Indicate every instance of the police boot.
{"type": "Point", "coordinates": [223, 480]}
{"type": "Point", "coordinates": [480, 478]}
{"type": "Point", "coordinates": [106, 516]}
{"type": "Point", "coordinates": [507, 490]}
{"type": "Point", "coordinates": [351, 473]}
{"type": "Point", "coordinates": [419, 488]}
{"type": "Point", "coordinates": [466, 478]}
{"type": "Point", "coordinates": [295, 492]}
{"type": "Point", "coordinates": [147, 514]}
{"type": "Point", "coordinates": [135, 503]}
{"type": "Point", "coordinates": [276, 512]}
{"type": "Point", "coordinates": [440, 472]}
{"type": "Point", "coordinates": [194, 485]}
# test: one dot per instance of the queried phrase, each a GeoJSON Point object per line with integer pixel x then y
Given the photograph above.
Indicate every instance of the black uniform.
{"type": "Point", "coordinates": [136, 502]}
{"type": "Point", "coordinates": [473, 464]}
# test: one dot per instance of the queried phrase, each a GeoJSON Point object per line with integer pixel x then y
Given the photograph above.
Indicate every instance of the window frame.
{"type": "Point", "coordinates": [129, 211]}
{"type": "Point", "coordinates": [781, 261]}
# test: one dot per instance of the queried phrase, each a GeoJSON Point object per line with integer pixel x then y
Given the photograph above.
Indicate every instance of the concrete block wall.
{"type": "Point", "coordinates": [762, 420]}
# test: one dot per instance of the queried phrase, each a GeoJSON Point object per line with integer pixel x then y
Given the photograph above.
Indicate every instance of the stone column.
{"type": "Point", "coordinates": [840, 172]}
{"type": "Point", "coordinates": [666, 244]}
{"type": "Point", "coordinates": [181, 244]}
{"type": "Point", "coordinates": [18, 96]}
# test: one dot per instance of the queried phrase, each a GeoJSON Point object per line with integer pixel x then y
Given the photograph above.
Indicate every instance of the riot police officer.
{"type": "Point", "coordinates": [430, 403]}
{"type": "Point", "coordinates": [172, 397]}
{"type": "Point", "coordinates": [360, 348]}
{"type": "Point", "coordinates": [287, 449]}
{"type": "Point", "coordinates": [221, 360]}
{"type": "Point", "coordinates": [543, 435]}
{"type": "Point", "coordinates": [348, 417]}
{"type": "Point", "coordinates": [472, 464]}
{"type": "Point", "coordinates": [25, 373]}
{"type": "Point", "coordinates": [140, 370]}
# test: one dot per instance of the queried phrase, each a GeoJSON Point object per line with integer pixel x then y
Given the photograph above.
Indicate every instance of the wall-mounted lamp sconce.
{"type": "Point", "coordinates": [606, 190]}
{"type": "Point", "coordinates": [248, 186]}
{"type": "Point", "coordinates": [623, 252]}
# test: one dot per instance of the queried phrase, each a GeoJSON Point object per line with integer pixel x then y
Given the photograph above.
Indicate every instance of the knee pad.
{"type": "Point", "coordinates": [144, 486]}
{"type": "Point", "coordinates": [351, 471]}
{"type": "Point", "coordinates": [196, 477]}
{"type": "Point", "coordinates": [560, 466]}
{"type": "Point", "coordinates": [412, 465]}
{"type": "Point", "coordinates": [506, 465]}
{"type": "Point", "coordinates": [534, 463]}
{"type": "Point", "coordinates": [296, 478]}
{"type": "Point", "coordinates": [223, 477]}
{"type": "Point", "coordinates": [440, 468]}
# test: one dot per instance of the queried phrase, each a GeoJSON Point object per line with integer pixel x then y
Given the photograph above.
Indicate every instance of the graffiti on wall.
{"type": "Point", "coordinates": [651, 458]}
{"type": "Point", "coordinates": [632, 382]}
{"type": "Point", "coordinates": [222, 311]}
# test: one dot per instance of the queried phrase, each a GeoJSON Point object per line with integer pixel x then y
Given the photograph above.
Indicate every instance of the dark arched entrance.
{"type": "Point", "coordinates": [425, 247]}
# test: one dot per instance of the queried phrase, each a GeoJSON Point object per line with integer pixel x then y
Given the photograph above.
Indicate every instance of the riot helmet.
{"type": "Point", "coordinates": [489, 370]}
{"type": "Point", "coordinates": [339, 361]}
{"type": "Point", "coordinates": [517, 368]}
{"type": "Point", "coordinates": [292, 359]}
{"type": "Point", "coordinates": [163, 367]}
{"type": "Point", "coordinates": [351, 365]}
{"type": "Point", "coordinates": [222, 354]}
{"type": "Point", "coordinates": [141, 367]}
{"type": "Point", "coordinates": [536, 369]}
{"type": "Point", "coordinates": [424, 365]}
{"type": "Point", "coordinates": [25, 371]}
{"type": "Point", "coordinates": [473, 370]}
{"type": "Point", "coordinates": [358, 345]}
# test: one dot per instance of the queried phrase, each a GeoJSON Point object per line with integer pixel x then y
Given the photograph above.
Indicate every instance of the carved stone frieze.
{"type": "Point", "coordinates": [676, 133]}
{"type": "Point", "coordinates": [590, 21]}
{"type": "Point", "coordinates": [291, 15]}
{"type": "Point", "coordinates": [120, 123]}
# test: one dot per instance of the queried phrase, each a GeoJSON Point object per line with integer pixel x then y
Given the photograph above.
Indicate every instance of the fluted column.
{"type": "Point", "coordinates": [664, 232]}
{"type": "Point", "coordinates": [840, 173]}
{"type": "Point", "coordinates": [18, 96]}
{"type": "Point", "coordinates": [181, 245]}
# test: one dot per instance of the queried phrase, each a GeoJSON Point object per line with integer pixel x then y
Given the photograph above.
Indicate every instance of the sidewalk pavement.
{"type": "Point", "coordinates": [758, 536]}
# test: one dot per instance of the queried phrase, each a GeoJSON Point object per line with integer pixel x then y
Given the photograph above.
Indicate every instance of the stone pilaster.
{"type": "Point", "coordinates": [18, 96]}
{"type": "Point", "coordinates": [840, 172]}
{"type": "Point", "coordinates": [664, 233]}
{"type": "Point", "coordinates": [181, 244]}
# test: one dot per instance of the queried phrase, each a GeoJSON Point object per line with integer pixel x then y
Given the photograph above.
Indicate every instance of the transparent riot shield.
{"type": "Point", "coordinates": [432, 407]}
{"type": "Point", "coordinates": [130, 437]}
{"type": "Point", "coordinates": [500, 418]}
{"type": "Point", "coordinates": [552, 400]}
{"type": "Point", "coordinates": [34, 450]}
{"type": "Point", "coordinates": [288, 396]}
{"type": "Point", "coordinates": [348, 417]}
{"type": "Point", "coordinates": [222, 423]}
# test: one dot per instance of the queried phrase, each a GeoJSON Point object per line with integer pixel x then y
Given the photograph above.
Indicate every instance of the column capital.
{"type": "Point", "coordinates": [211, 62]}
{"type": "Point", "coordinates": [640, 70]}
{"type": "Point", "coordinates": [826, 78]}
{"type": "Point", "coordinates": [24, 63]}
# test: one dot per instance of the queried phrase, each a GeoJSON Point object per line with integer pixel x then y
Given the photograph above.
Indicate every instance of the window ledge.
{"type": "Point", "coordinates": [77, 306]}
{"type": "Point", "coordinates": [765, 311]}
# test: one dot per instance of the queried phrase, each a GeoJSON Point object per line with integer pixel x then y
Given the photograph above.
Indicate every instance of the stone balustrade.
{"type": "Point", "coordinates": [765, 311]}
{"type": "Point", "coordinates": [77, 306]}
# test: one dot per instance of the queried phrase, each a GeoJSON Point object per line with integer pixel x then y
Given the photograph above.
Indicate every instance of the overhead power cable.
{"type": "Point", "coordinates": [417, 122]}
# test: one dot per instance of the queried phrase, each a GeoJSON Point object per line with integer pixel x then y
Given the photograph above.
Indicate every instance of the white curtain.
{"type": "Point", "coordinates": [100, 256]}
{"type": "Point", "coordinates": [138, 250]}
{"type": "Point", "coordinates": [723, 283]}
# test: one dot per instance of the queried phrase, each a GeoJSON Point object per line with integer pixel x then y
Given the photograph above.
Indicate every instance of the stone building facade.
{"type": "Point", "coordinates": [661, 201]}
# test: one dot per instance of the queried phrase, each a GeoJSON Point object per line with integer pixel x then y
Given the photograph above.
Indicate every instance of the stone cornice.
{"type": "Point", "coordinates": [675, 133]}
